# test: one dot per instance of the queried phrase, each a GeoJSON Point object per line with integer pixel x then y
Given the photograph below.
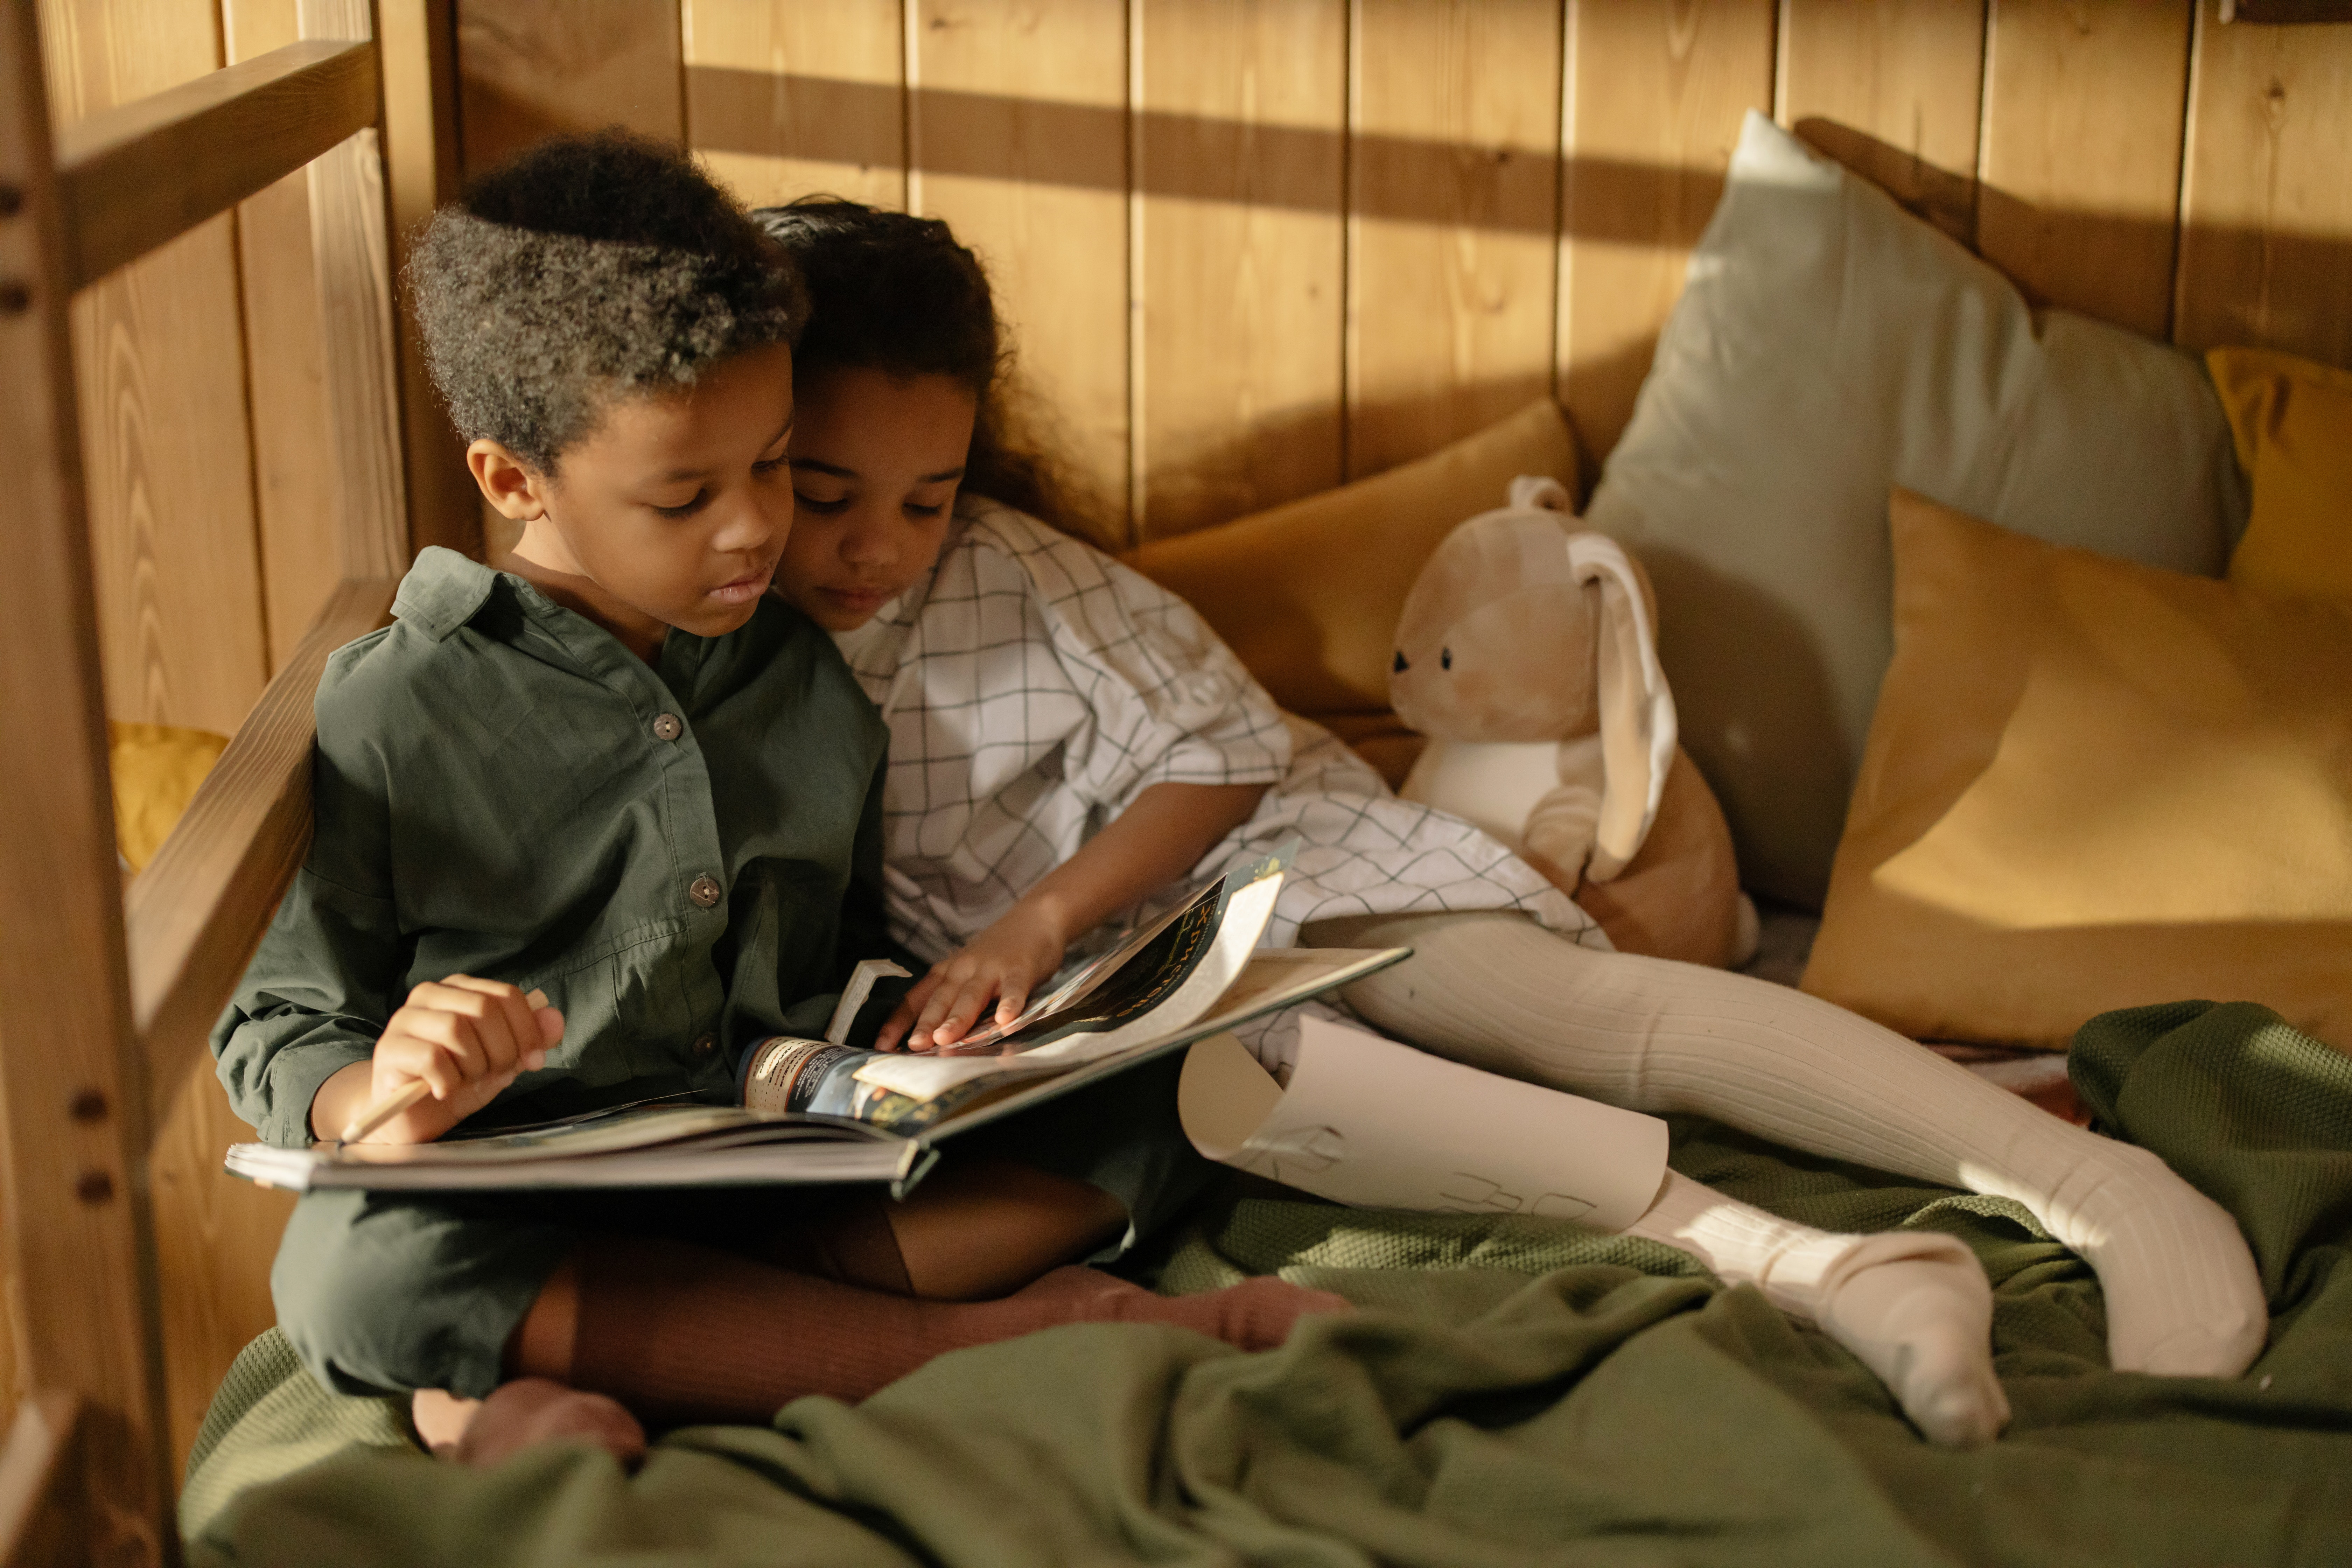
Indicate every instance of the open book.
{"type": "Point", "coordinates": [821, 1110]}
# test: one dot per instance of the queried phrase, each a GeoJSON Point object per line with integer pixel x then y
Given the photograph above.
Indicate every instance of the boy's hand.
{"type": "Point", "coordinates": [1003, 964]}
{"type": "Point", "coordinates": [466, 1038]}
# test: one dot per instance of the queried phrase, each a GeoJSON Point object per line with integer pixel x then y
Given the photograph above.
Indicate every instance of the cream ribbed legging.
{"type": "Point", "coordinates": [1499, 993]}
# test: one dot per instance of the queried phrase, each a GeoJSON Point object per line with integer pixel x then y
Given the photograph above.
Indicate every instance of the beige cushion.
{"type": "Point", "coordinates": [1829, 346]}
{"type": "Point", "coordinates": [1309, 592]}
{"type": "Point", "coordinates": [2091, 784]}
{"type": "Point", "coordinates": [156, 769]}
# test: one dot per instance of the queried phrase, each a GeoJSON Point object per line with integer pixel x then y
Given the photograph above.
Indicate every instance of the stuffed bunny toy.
{"type": "Point", "coordinates": [1527, 654]}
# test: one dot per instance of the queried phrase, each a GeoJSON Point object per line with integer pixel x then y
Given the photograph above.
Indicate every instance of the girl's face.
{"type": "Point", "coordinates": [875, 462]}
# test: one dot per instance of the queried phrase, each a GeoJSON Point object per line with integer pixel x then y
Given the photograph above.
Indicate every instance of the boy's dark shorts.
{"type": "Point", "coordinates": [386, 1292]}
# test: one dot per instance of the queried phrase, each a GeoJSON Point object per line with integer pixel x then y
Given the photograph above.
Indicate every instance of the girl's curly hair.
{"type": "Point", "coordinates": [896, 293]}
{"type": "Point", "coordinates": [583, 268]}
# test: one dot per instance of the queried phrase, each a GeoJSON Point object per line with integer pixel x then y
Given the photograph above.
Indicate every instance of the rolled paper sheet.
{"type": "Point", "coordinates": [1372, 1123]}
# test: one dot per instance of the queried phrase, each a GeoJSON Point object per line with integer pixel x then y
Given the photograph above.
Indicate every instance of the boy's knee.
{"type": "Point", "coordinates": [379, 1294]}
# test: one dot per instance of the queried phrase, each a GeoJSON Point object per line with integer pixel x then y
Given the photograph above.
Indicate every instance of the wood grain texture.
{"type": "Point", "coordinates": [294, 469]}
{"type": "Point", "coordinates": [142, 173]}
{"type": "Point", "coordinates": [162, 407]}
{"type": "Point", "coordinates": [350, 255]}
{"type": "Point", "coordinates": [1453, 116]}
{"type": "Point", "coordinates": [2266, 198]}
{"type": "Point", "coordinates": [783, 97]}
{"type": "Point", "coordinates": [1238, 373]}
{"type": "Point", "coordinates": [417, 42]}
{"type": "Point", "coordinates": [1891, 89]}
{"type": "Point", "coordinates": [2081, 162]}
{"type": "Point", "coordinates": [73, 1209]}
{"type": "Point", "coordinates": [1018, 138]}
{"type": "Point", "coordinates": [529, 68]}
{"type": "Point", "coordinates": [1656, 90]}
{"type": "Point", "coordinates": [195, 914]}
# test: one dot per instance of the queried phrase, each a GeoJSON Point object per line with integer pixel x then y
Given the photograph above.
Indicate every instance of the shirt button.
{"type": "Point", "coordinates": [706, 1044]}
{"type": "Point", "coordinates": [705, 891]}
{"type": "Point", "coordinates": [667, 728]}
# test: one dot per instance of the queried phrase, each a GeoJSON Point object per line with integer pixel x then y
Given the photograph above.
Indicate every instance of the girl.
{"type": "Point", "coordinates": [1068, 741]}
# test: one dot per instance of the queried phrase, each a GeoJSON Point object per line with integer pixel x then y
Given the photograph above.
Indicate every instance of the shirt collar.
{"type": "Point", "coordinates": [442, 592]}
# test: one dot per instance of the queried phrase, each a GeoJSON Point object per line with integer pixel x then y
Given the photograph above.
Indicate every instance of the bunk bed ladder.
{"type": "Point", "coordinates": [105, 997]}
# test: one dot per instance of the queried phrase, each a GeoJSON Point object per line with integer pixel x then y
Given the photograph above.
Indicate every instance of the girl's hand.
{"type": "Point", "coordinates": [466, 1038]}
{"type": "Point", "coordinates": [1003, 965]}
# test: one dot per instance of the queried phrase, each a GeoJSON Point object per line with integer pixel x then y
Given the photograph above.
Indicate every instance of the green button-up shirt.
{"type": "Point", "coordinates": [684, 856]}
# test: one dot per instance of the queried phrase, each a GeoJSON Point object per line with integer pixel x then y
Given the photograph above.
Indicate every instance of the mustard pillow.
{"type": "Point", "coordinates": [156, 770]}
{"type": "Point", "coordinates": [2091, 784]}
{"type": "Point", "coordinates": [1307, 593]}
{"type": "Point", "coordinates": [2292, 421]}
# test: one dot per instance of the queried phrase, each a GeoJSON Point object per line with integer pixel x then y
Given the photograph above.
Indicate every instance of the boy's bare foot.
{"type": "Point", "coordinates": [519, 1413]}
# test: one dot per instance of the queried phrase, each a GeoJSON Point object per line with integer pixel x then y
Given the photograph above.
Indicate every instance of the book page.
{"type": "Point", "coordinates": [1370, 1122]}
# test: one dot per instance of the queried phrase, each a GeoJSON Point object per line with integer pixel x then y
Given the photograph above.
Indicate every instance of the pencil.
{"type": "Point", "coordinates": [400, 1099]}
{"type": "Point", "coordinates": [385, 1110]}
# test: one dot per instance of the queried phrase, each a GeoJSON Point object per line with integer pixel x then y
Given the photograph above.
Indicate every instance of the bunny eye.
{"type": "Point", "coordinates": [1445, 658]}
{"type": "Point", "coordinates": [1400, 667]}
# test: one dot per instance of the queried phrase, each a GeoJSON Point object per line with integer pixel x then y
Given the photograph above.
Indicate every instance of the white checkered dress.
{"type": "Point", "coordinates": [1035, 687]}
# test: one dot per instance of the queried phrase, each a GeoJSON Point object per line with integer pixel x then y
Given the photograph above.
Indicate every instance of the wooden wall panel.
{"type": "Point", "coordinates": [529, 68]}
{"type": "Point", "coordinates": [293, 454]}
{"type": "Point", "coordinates": [784, 98]}
{"type": "Point", "coordinates": [2080, 171]}
{"type": "Point", "coordinates": [1655, 92]}
{"type": "Point", "coordinates": [2266, 199]}
{"type": "Point", "coordinates": [1453, 190]}
{"type": "Point", "coordinates": [165, 435]}
{"type": "Point", "coordinates": [1018, 138]}
{"type": "Point", "coordinates": [1240, 152]}
{"type": "Point", "coordinates": [1891, 89]}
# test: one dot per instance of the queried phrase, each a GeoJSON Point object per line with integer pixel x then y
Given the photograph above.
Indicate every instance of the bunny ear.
{"type": "Point", "coordinates": [1637, 711]}
{"type": "Point", "coordinates": [1531, 492]}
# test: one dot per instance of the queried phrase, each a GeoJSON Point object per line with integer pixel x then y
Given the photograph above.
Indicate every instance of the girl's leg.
{"type": "Point", "coordinates": [2182, 1294]}
{"type": "Point", "coordinates": [1913, 1305]}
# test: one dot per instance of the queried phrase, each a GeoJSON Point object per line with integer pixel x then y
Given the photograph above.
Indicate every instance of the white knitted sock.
{"type": "Point", "coordinates": [1495, 991]}
{"type": "Point", "coordinates": [1914, 1306]}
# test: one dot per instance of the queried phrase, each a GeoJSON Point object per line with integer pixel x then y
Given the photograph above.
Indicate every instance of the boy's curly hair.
{"type": "Point", "coordinates": [585, 266]}
{"type": "Point", "coordinates": [898, 293]}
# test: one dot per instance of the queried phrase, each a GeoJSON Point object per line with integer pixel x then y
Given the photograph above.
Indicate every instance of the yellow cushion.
{"type": "Point", "coordinates": [1309, 592]}
{"type": "Point", "coordinates": [2292, 420]}
{"type": "Point", "coordinates": [156, 771]}
{"type": "Point", "coordinates": [2091, 784]}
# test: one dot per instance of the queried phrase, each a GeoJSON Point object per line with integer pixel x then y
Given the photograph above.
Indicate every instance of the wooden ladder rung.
{"type": "Point", "coordinates": [194, 916]}
{"type": "Point", "coordinates": [136, 177]}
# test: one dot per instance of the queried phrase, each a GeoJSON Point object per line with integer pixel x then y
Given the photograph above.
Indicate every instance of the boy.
{"type": "Point", "coordinates": [586, 829]}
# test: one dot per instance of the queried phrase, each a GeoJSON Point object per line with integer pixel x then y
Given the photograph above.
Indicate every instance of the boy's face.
{"type": "Point", "coordinates": [875, 462]}
{"type": "Point", "coordinates": [671, 512]}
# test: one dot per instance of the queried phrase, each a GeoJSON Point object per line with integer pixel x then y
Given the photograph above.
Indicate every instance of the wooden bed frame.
{"type": "Point", "coordinates": [106, 998]}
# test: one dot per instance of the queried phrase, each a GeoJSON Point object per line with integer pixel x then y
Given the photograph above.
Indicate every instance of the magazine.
{"type": "Point", "coordinates": [823, 1112]}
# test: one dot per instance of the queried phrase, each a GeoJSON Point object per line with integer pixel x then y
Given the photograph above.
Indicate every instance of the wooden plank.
{"type": "Point", "coordinates": [1238, 374]}
{"type": "Point", "coordinates": [285, 382]}
{"type": "Point", "coordinates": [529, 68]}
{"type": "Point", "coordinates": [195, 914]}
{"type": "Point", "coordinates": [350, 255]}
{"type": "Point", "coordinates": [2083, 105]}
{"type": "Point", "coordinates": [43, 1513]}
{"type": "Point", "coordinates": [1655, 92]}
{"type": "Point", "coordinates": [144, 173]}
{"type": "Point", "coordinates": [784, 97]}
{"type": "Point", "coordinates": [1891, 89]}
{"type": "Point", "coordinates": [73, 1209]}
{"type": "Point", "coordinates": [2266, 203]}
{"type": "Point", "coordinates": [163, 414]}
{"type": "Point", "coordinates": [417, 42]}
{"type": "Point", "coordinates": [1017, 137]}
{"type": "Point", "coordinates": [1454, 192]}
